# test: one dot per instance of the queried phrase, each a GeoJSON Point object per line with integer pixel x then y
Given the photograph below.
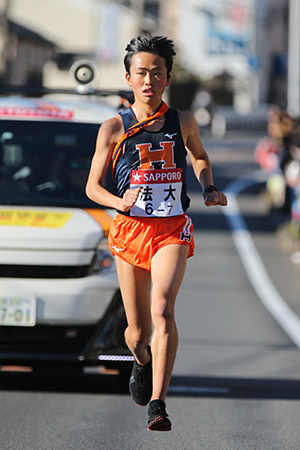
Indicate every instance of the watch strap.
{"type": "Point", "coordinates": [209, 189]}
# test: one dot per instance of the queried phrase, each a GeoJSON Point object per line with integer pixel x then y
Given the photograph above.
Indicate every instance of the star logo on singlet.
{"type": "Point", "coordinates": [136, 177]}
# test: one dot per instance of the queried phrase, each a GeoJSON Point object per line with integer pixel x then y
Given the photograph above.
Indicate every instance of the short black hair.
{"type": "Point", "coordinates": [159, 45]}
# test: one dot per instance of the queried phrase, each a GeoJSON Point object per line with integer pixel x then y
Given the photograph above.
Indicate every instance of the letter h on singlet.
{"type": "Point", "coordinates": [148, 156]}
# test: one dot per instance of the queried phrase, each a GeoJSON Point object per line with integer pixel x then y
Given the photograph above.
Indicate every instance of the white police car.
{"type": "Point", "coordinates": [60, 302]}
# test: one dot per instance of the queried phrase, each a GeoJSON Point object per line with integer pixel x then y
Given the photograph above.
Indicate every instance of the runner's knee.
{"type": "Point", "coordinates": [139, 337]}
{"type": "Point", "coordinates": [163, 314]}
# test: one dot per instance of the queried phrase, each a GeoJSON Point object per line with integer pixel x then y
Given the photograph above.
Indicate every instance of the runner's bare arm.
{"type": "Point", "coordinates": [199, 158]}
{"type": "Point", "coordinates": [108, 135]}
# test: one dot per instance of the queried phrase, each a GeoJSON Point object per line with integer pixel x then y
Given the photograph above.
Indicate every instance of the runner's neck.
{"type": "Point", "coordinates": [142, 112]}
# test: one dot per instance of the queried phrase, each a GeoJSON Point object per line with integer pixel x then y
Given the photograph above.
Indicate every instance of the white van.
{"type": "Point", "coordinates": [60, 302]}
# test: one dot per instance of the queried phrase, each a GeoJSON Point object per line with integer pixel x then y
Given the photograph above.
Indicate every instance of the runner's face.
{"type": "Point", "coordinates": [148, 77]}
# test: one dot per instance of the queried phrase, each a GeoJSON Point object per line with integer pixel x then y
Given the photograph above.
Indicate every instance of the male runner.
{"type": "Point", "coordinates": [151, 236]}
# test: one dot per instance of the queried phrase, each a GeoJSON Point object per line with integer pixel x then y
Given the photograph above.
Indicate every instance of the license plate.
{"type": "Point", "coordinates": [17, 311]}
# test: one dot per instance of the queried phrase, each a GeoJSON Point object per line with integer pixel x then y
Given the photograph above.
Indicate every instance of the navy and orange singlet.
{"type": "Point", "coordinates": [155, 161]}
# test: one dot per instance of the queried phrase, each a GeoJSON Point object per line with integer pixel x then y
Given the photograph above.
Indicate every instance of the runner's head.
{"type": "Point", "coordinates": [157, 45]}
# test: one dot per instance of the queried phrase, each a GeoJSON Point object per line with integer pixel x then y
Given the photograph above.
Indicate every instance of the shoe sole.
{"type": "Point", "coordinates": [159, 424]}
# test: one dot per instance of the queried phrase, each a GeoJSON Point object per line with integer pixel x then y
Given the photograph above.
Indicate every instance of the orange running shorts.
{"type": "Point", "coordinates": [136, 240]}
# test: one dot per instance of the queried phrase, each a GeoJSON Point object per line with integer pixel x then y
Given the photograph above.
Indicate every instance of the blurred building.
{"type": "Point", "coordinates": [79, 29]}
{"type": "Point", "coordinates": [235, 47]}
{"type": "Point", "coordinates": [243, 42]}
{"type": "Point", "coordinates": [24, 53]}
{"type": "Point", "coordinates": [271, 47]}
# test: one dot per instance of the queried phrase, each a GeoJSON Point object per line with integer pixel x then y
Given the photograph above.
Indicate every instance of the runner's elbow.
{"type": "Point", "coordinates": [89, 191]}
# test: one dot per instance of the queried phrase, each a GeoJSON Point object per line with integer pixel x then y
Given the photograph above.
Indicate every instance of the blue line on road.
{"type": "Point", "coordinates": [198, 390]}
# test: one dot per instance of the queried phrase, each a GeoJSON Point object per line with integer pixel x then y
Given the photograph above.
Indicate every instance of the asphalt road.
{"type": "Point", "coordinates": [236, 380]}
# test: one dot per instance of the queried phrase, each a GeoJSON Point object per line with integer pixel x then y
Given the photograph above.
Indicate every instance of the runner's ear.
{"type": "Point", "coordinates": [127, 76]}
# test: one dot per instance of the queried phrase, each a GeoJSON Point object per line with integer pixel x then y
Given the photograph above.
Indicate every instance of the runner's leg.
{"type": "Point", "coordinates": [135, 285]}
{"type": "Point", "coordinates": [167, 269]}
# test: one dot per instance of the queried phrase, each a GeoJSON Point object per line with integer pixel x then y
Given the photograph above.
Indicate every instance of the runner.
{"type": "Point", "coordinates": [151, 236]}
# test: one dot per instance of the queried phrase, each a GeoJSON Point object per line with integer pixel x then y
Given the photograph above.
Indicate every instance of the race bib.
{"type": "Point", "coordinates": [160, 194]}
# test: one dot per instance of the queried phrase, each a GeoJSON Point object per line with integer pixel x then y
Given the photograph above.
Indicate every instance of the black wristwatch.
{"type": "Point", "coordinates": [209, 189]}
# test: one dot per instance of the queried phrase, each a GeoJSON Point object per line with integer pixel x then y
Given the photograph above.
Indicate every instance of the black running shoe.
{"type": "Point", "coordinates": [157, 416]}
{"type": "Point", "coordinates": [140, 383]}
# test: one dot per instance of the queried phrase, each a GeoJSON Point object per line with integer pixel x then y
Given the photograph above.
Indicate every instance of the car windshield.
{"type": "Point", "coordinates": [46, 163]}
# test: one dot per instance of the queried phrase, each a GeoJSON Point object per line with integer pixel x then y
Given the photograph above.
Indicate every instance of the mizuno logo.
{"type": "Point", "coordinates": [170, 136]}
{"type": "Point", "coordinates": [117, 250]}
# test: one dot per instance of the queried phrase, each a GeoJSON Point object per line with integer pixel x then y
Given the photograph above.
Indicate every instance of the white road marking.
{"type": "Point", "coordinates": [252, 262]}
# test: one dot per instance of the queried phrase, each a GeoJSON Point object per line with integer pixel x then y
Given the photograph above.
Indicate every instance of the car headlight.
{"type": "Point", "coordinates": [102, 260]}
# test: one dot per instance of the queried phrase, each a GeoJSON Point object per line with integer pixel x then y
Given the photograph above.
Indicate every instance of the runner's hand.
{"type": "Point", "coordinates": [129, 199]}
{"type": "Point", "coordinates": [215, 198]}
